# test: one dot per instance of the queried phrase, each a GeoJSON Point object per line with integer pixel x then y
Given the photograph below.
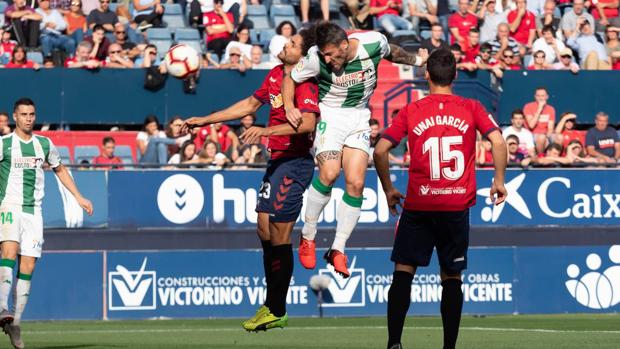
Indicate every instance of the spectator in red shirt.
{"type": "Point", "coordinates": [458, 56]}
{"type": "Point", "coordinates": [540, 118]}
{"type": "Point", "coordinates": [613, 46]}
{"type": "Point", "coordinates": [485, 61]}
{"type": "Point", "coordinates": [605, 12]}
{"type": "Point", "coordinates": [219, 27]}
{"type": "Point", "coordinates": [388, 15]}
{"type": "Point", "coordinates": [6, 46]}
{"type": "Point", "coordinates": [565, 130]}
{"type": "Point", "coordinates": [473, 48]}
{"type": "Point", "coordinates": [539, 61]}
{"type": "Point", "coordinates": [82, 58]}
{"type": "Point", "coordinates": [107, 156]}
{"type": "Point", "coordinates": [461, 22]}
{"type": "Point", "coordinates": [522, 24]}
{"type": "Point", "coordinates": [222, 135]}
{"type": "Point", "coordinates": [99, 42]}
{"type": "Point", "coordinates": [18, 60]}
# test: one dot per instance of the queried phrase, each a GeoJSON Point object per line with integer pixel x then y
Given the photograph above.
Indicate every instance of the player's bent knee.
{"type": "Point", "coordinates": [405, 267]}
{"type": "Point", "coordinates": [447, 274]}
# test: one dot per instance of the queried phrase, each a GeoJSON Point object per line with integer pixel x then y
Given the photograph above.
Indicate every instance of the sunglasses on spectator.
{"type": "Point", "coordinates": [539, 56]}
{"type": "Point", "coordinates": [152, 53]}
{"type": "Point", "coordinates": [512, 143]}
{"type": "Point", "coordinates": [235, 54]}
{"type": "Point", "coordinates": [120, 32]}
{"type": "Point", "coordinates": [115, 52]}
{"type": "Point", "coordinates": [104, 1]}
{"type": "Point", "coordinates": [566, 56]}
{"type": "Point", "coordinates": [509, 56]}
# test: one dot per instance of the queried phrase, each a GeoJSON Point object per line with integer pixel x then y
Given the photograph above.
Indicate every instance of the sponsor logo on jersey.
{"type": "Point", "coordinates": [27, 162]}
{"type": "Point", "coordinates": [596, 288]}
{"type": "Point", "coordinates": [348, 80]}
{"type": "Point", "coordinates": [272, 80]}
{"type": "Point", "coordinates": [309, 101]}
{"type": "Point", "coordinates": [276, 101]}
{"type": "Point", "coordinates": [424, 189]}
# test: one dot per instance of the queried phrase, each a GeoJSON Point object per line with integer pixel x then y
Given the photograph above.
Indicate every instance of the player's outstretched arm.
{"type": "Point", "coordinates": [293, 115]}
{"type": "Point", "coordinates": [236, 111]}
{"type": "Point", "coordinates": [381, 157]}
{"type": "Point", "coordinates": [254, 133]}
{"type": "Point", "coordinates": [65, 178]}
{"type": "Point", "coordinates": [399, 55]}
{"type": "Point", "coordinates": [500, 160]}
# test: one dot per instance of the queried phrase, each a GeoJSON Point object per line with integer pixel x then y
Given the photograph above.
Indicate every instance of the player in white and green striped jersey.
{"type": "Point", "coordinates": [22, 156]}
{"type": "Point", "coordinates": [346, 68]}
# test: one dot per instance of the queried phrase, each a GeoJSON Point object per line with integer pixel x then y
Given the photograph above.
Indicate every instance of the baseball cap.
{"type": "Point", "coordinates": [566, 52]}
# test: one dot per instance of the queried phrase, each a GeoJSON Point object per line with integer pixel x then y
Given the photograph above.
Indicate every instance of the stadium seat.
{"type": "Point", "coordinates": [65, 155]}
{"type": "Point", "coordinates": [173, 9]}
{"type": "Point", "coordinates": [85, 152]}
{"type": "Point", "coordinates": [113, 6]}
{"type": "Point", "coordinates": [254, 36]}
{"type": "Point", "coordinates": [257, 10]}
{"type": "Point", "coordinates": [173, 17]}
{"type": "Point", "coordinates": [3, 6]}
{"type": "Point", "coordinates": [398, 33]}
{"type": "Point", "coordinates": [266, 57]}
{"type": "Point", "coordinates": [281, 10]}
{"type": "Point", "coordinates": [190, 37]}
{"type": "Point", "coordinates": [35, 56]}
{"type": "Point", "coordinates": [161, 38]}
{"type": "Point", "coordinates": [279, 19]}
{"type": "Point", "coordinates": [265, 37]}
{"type": "Point", "coordinates": [124, 152]}
{"type": "Point", "coordinates": [260, 22]}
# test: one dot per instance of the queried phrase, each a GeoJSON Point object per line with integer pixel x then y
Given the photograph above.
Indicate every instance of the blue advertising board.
{"type": "Point", "coordinates": [206, 283]}
{"type": "Point", "coordinates": [61, 210]}
{"type": "Point", "coordinates": [228, 199]}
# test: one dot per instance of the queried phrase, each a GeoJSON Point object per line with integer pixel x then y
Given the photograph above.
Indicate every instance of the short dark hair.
{"type": "Point", "coordinates": [282, 24]}
{"type": "Point", "coordinates": [107, 140]}
{"type": "Point", "coordinates": [515, 137]}
{"type": "Point", "coordinates": [474, 30]}
{"type": "Point", "coordinates": [240, 28]}
{"type": "Point", "coordinates": [309, 37]}
{"type": "Point", "coordinates": [148, 119]}
{"type": "Point", "coordinates": [547, 28]}
{"type": "Point", "coordinates": [517, 112]}
{"type": "Point", "coordinates": [554, 146]}
{"type": "Point", "coordinates": [328, 33]}
{"type": "Point", "coordinates": [486, 47]}
{"type": "Point", "coordinates": [436, 25]}
{"type": "Point", "coordinates": [373, 122]}
{"type": "Point", "coordinates": [541, 88]}
{"type": "Point", "coordinates": [4, 113]}
{"type": "Point", "coordinates": [23, 101]}
{"type": "Point", "coordinates": [456, 47]}
{"type": "Point", "coordinates": [218, 1]}
{"type": "Point", "coordinates": [441, 67]}
{"type": "Point", "coordinates": [98, 27]}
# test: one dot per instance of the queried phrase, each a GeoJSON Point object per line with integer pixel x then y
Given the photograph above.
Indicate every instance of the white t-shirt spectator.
{"type": "Point", "coordinates": [176, 159]}
{"type": "Point", "coordinates": [488, 29]}
{"type": "Point", "coordinates": [246, 50]}
{"type": "Point", "coordinates": [526, 139]}
{"type": "Point", "coordinates": [207, 5]}
{"type": "Point", "coordinates": [541, 45]}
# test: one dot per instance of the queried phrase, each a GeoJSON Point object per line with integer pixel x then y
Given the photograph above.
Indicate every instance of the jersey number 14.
{"type": "Point", "coordinates": [440, 152]}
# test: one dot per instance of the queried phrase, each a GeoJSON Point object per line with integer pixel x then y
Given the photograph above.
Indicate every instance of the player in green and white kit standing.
{"type": "Point", "coordinates": [22, 156]}
{"type": "Point", "coordinates": [346, 68]}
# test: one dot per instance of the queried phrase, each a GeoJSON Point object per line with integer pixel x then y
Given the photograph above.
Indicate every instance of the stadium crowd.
{"type": "Point", "coordinates": [483, 34]}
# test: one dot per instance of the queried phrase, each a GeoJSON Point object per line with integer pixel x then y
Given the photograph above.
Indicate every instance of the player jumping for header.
{"type": "Point", "coordinates": [288, 174]}
{"type": "Point", "coordinates": [346, 67]}
{"type": "Point", "coordinates": [441, 132]}
{"type": "Point", "coordinates": [22, 156]}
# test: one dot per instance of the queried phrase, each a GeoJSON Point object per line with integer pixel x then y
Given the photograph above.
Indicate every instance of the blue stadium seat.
{"type": "Point", "coordinates": [260, 22]}
{"type": "Point", "coordinates": [266, 57]}
{"type": "Point", "coordinates": [281, 10]}
{"type": "Point", "coordinates": [279, 19]}
{"type": "Point", "coordinates": [85, 152]}
{"type": "Point", "coordinates": [187, 34]}
{"type": "Point", "coordinates": [257, 10]}
{"type": "Point", "coordinates": [35, 56]}
{"type": "Point", "coordinates": [214, 57]}
{"type": "Point", "coordinates": [3, 6]}
{"type": "Point", "coordinates": [190, 37]}
{"type": "Point", "coordinates": [254, 36]}
{"type": "Point", "coordinates": [173, 9]}
{"type": "Point", "coordinates": [113, 6]}
{"type": "Point", "coordinates": [265, 37]}
{"type": "Point", "coordinates": [398, 33]}
{"type": "Point", "coordinates": [65, 155]}
{"type": "Point", "coordinates": [174, 22]}
{"type": "Point", "coordinates": [161, 38]}
{"type": "Point", "coordinates": [124, 152]}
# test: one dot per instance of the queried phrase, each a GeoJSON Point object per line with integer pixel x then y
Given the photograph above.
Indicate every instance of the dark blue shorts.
{"type": "Point", "coordinates": [282, 190]}
{"type": "Point", "coordinates": [420, 231]}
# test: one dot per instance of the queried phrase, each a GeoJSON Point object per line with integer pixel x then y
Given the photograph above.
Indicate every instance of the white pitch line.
{"type": "Point", "coordinates": [314, 328]}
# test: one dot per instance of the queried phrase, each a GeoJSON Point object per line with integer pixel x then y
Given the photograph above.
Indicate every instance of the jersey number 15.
{"type": "Point", "coordinates": [440, 152]}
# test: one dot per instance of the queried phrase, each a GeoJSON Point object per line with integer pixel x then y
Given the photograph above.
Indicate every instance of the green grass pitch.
{"type": "Point", "coordinates": [548, 332]}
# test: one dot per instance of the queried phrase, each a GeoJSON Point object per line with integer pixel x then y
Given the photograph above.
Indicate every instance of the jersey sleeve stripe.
{"type": "Point", "coordinates": [390, 139]}
{"type": "Point", "coordinates": [489, 131]}
{"type": "Point", "coordinates": [264, 101]}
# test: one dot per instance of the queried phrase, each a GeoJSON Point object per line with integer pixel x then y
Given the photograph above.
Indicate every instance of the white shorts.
{"type": "Point", "coordinates": [340, 127]}
{"type": "Point", "coordinates": [23, 228]}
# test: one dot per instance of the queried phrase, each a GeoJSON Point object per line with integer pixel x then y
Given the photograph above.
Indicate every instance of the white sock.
{"type": "Point", "coordinates": [6, 282]}
{"type": "Point", "coordinates": [347, 216]}
{"type": "Point", "coordinates": [20, 296]}
{"type": "Point", "coordinates": [314, 206]}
